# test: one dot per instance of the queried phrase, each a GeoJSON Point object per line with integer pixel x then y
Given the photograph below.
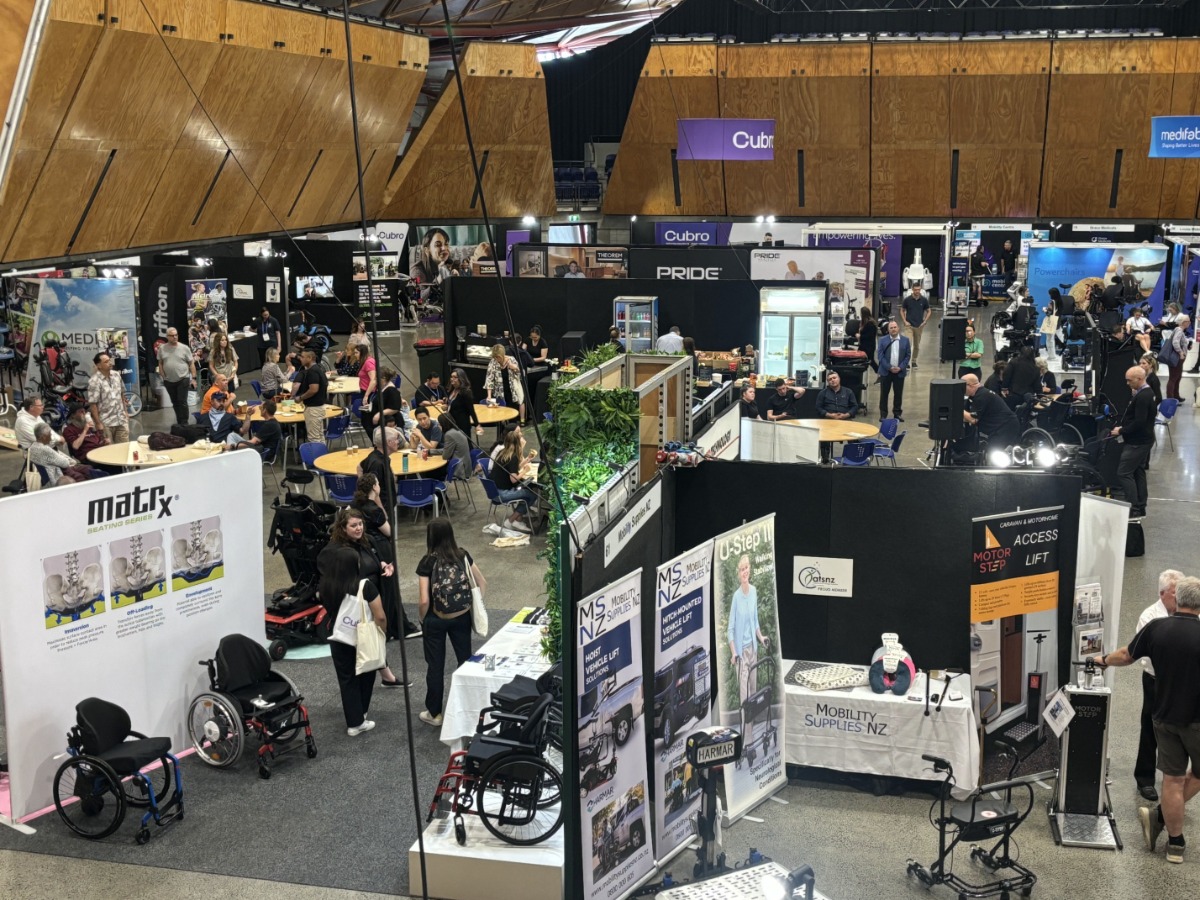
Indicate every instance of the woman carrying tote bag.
{"type": "Point", "coordinates": [340, 580]}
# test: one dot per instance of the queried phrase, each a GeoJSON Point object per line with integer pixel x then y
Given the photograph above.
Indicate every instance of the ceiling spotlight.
{"type": "Point", "coordinates": [760, 219]}
{"type": "Point", "coordinates": [998, 459]}
{"type": "Point", "coordinates": [771, 219]}
{"type": "Point", "coordinates": [528, 220]}
{"type": "Point", "coordinates": [633, 218]}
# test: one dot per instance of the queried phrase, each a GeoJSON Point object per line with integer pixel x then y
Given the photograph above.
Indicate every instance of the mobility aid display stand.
{"type": "Point", "coordinates": [1081, 811]}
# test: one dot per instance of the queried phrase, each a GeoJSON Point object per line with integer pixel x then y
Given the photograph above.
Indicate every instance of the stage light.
{"type": "Point", "coordinates": [633, 218]}
{"type": "Point", "coordinates": [760, 219]}
{"type": "Point", "coordinates": [999, 459]}
{"type": "Point", "coordinates": [771, 220]}
{"type": "Point", "coordinates": [528, 220]}
{"type": "Point", "coordinates": [1046, 458]}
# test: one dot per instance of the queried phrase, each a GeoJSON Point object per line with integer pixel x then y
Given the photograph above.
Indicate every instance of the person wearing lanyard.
{"type": "Point", "coordinates": [893, 355]}
{"type": "Point", "coordinates": [972, 354]}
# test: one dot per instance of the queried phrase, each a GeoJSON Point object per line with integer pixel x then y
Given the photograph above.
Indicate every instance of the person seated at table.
{"type": "Point", "coordinates": [427, 434]}
{"type": "Point", "coordinates": [220, 385]}
{"type": "Point", "coordinates": [779, 405]}
{"type": "Point", "coordinates": [28, 418]}
{"type": "Point", "coordinates": [430, 391]}
{"type": "Point", "coordinates": [348, 362]}
{"type": "Point", "coordinates": [80, 433]}
{"type": "Point", "coordinates": [511, 472]}
{"type": "Point", "coordinates": [749, 406]}
{"type": "Point", "coordinates": [265, 435]}
{"type": "Point", "coordinates": [455, 445]}
{"type": "Point", "coordinates": [1048, 383]}
{"type": "Point", "coordinates": [219, 423]}
{"type": "Point", "coordinates": [375, 463]}
{"type": "Point", "coordinates": [835, 401]}
{"type": "Point", "coordinates": [273, 379]}
{"type": "Point", "coordinates": [505, 429]}
{"type": "Point", "coordinates": [59, 468]}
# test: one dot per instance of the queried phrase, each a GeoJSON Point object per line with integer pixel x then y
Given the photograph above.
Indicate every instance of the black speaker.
{"type": "Point", "coordinates": [572, 346]}
{"type": "Point", "coordinates": [954, 338]}
{"type": "Point", "coordinates": [947, 399]}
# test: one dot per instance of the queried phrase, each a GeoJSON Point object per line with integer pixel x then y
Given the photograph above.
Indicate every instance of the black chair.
{"type": "Point", "coordinates": [103, 776]}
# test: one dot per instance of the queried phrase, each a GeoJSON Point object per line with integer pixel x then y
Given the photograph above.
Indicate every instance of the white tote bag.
{"type": "Point", "coordinates": [345, 626]}
{"type": "Point", "coordinates": [479, 616]}
{"type": "Point", "coordinates": [372, 643]}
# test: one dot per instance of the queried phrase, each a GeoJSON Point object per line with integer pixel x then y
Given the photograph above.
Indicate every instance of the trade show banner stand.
{"type": "Point", "coordinates": [1014, 560]}
{"type": "Point", "coordinates": [682, 689]}
{"type": "Point", "coordinates": [749, 665]}
{"type": "Point", "coordinates": [616, 848]}
{"type": "Point", "coordinates": [135, 580]}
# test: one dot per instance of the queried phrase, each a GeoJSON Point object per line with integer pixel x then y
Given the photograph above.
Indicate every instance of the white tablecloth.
{"type": "Point", "coordinates": [883, 734]}
{"type": "Point", "coordinates": [518, 651]}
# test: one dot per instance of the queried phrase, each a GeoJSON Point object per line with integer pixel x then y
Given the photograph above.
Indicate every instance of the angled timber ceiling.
{"type": "Point", "coordinates": [497, 18]}
{"type": "Point", "coordinates": [150, 122]}
{"type": "Point", "coordinates": [510, 127]}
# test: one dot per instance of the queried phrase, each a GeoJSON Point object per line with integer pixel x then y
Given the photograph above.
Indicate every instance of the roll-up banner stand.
{"type": "Point", "coordinates": [137, 579]}
{"type": "Point", "coordinates": [850, 273]}
{"type": "Point", "coordinates": [749, 665]}
{"type": "Point", "coordinates": [681, 702]}
{"type": "Point", "coordinates": [616, 849]}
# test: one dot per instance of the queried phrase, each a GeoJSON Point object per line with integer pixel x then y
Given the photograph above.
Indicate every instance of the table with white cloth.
{"type": "Point", "coordinates": [857, 730]}
{"type": "Point", "coordinates": [517, 648]}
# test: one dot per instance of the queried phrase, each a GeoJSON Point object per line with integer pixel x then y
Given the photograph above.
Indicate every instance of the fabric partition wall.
{"type": "Point", "coordinates": [77, 624]}
{"type": "Point", "coordinates": [1142, 268]}
{"type": "Point", "coordinates": [334, 262]}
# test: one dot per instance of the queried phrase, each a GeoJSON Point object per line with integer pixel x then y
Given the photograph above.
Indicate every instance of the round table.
{"type": "Point", "coordinates": [344, 384]}
{"type": "Point", "coordinates": [345, 462]}
{"type": "Point", "coordinates": [122, 454]}
{"type": "Point", "coordinates": [288, 418]}
{"type": "Point", "coordinates": [495, 415]}
{"type": "Point", "coordinates": [837, 431]}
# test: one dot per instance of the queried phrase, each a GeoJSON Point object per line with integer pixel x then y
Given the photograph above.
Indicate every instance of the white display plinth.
{"type": "Point", "coordinates": [486, 868]}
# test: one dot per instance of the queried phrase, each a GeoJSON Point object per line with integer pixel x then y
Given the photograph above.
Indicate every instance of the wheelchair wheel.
{"type": "Point", "coordinates": [553, 755]}
{"type": "Point", "coordinates": [1036, 437]}
{"type": "Point", "coordinates": [89, 797]}
{"type": "Point", "coordinates": [215, 727]}
{"type": "Point", "coordinates": [160, 779]}
{"type": "Point", "coordinates": [289, 727]}
{"type": "Point", "coordinates": [510, 795]}
{"type": "Point", "coordinates": [1071, 436]}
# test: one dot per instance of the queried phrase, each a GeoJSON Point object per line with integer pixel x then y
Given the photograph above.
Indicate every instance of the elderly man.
{"type": "Point", "coordinates": [28, 417]}
{"type": "Point", "coordinates": [375, 464]}
{"type": "Point", "coordinates": [990, 415]}
{"type": "Point", "coordinates": [835, 401]}
{"type": "Point", "coordinates": [59, 468]}
{"type": "Point", "coordinates": [1136, 433]}
{"type": "Point", "coordinates": [671, 342]}
{"type": "Point", "coordinates": [220, 385]}
{"type": "Point", "coordinates": [81, 434]}
{"type": "Point", "coordinates": [1172, 644]}
{"type": "Point", "coordinates": [1143, 769]}
{"type": "Point", "coordinates": [106, 400]}
{"type": "Point", "coordinates": [177, 368]}
{"type": "Point", "coordinates": [893, 355]}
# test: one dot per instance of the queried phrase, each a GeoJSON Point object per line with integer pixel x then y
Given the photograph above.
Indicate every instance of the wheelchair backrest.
{"type": "Point", "coordinates": [102, 725]}
{"type": "Point", "coordinates": [550, 681]}
{"type": "Point", "coordinates": [241, 661]}
{"type": "Point", "coordinates": [534, 726]}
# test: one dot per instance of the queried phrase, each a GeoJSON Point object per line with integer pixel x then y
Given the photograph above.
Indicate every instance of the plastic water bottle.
{"type": "Point", "coordinates": [404, 463]}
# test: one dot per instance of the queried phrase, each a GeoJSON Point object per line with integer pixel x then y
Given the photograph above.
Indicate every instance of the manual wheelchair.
{"type": "Point", "coordinates": [247, 696]}
{"type": "Point", "coordinates": [102, 776]}
{"type": "Point", "coordinates": [504, 778]}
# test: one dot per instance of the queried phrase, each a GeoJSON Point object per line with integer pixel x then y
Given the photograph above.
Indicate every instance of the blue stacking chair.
{"type": "Point", "coordinates": [493, 495]}
{"type": "Point", "coordinates": [417, 493]}
{"type": "Point", "coordinates": [1166, 413]}
{"type": "Point", "coordinates": [335, 428]}
{"type": "Point", "coordinates": [340, 488]}
{"type": "Point", "coordinates": [856, 454]}
{"type": "Point", "coordinates": [882, 451]}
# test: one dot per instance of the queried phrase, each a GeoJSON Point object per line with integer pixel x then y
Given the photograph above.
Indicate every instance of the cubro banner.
{"type": "Point", "coordinates": [731, 139]}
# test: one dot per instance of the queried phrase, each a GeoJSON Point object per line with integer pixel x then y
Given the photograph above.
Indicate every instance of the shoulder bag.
{"type": "Point", "coordinates": [345, 626]}
{"type": "Point", "coordinates": [479, 616]}
{"type": "Point", "coordinates": [33, 478]}
{"type": "Point", "coordinates": [372, 642]}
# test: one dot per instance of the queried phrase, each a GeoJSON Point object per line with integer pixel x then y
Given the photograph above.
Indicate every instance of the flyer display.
{"type": "Point", "coordinates": [749, 668]}
{"type": "Point", "coordinates": [140, 577]}
{"type": "Point", "coordinates": [682, 700]}
{"type": "Point", "coordinates": [615, 808]}
{"type": "Point", "coordinates": [1014, 564]}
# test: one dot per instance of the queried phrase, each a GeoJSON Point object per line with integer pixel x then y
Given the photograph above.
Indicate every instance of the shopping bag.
{"type": "Point", "coordinates": [345, 626]}
{"type": "Point", "coordinates": [479, 616]}
{"type": "Point", "coordinates": [372, 643]}
{"type": "Point", "coordinates": [193, 398]}
{"type": "Point", "coordinates": [33, 478]}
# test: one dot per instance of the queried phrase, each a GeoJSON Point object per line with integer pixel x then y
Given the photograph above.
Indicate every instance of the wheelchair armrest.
{"type": "Point", "coordinates": [507, 742]}
{"type": "Point", "coordinates": [138, 735]}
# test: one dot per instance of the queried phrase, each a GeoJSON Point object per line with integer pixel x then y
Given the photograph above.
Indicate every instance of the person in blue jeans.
{"type": "Point", "coordinates": [511, 471]}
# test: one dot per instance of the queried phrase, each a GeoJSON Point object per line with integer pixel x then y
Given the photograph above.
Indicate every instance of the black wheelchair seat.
{"type": "Point", "coordinates": [243, 670]}
{"type": "Point", "coordinates": [103, 729]}
{"type": "Point", "coordinates": [984, 818]}
{"type": "Point", "coordinates": [128, 757]}
{"type": "Point", "coordinates": [271, 691]}
{"type": "Point", "coordinates": [483, 751]}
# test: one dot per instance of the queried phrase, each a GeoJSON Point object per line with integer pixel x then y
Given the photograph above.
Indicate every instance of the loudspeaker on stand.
{"type": "Point", "coordinates": [954, 338]}
{"type": "Point", "coordinates": [947, 400]}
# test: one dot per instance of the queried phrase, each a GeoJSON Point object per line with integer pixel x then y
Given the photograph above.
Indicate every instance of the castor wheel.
{"type": "Point", "coordinates": [460, 831]}
{"type": "Point", "coordinates": [143, 836]}
{"type": "Point", "coordinates": [277, 650]}
{"type": "Point", "coordinates": [264, 772]}
{"type": "Point", "coordinates": [310, 747]}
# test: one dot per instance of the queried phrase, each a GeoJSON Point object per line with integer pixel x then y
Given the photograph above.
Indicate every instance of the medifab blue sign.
{"type": "Point", "coordinates": [1175, 137]}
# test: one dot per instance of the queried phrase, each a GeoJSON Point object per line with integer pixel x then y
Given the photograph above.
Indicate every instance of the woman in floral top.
{"type": "Point", "coordinates": [503, 380]}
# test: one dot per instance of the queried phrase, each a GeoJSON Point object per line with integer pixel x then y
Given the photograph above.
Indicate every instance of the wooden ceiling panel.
{"type": "Point", "coordinates": [56, 204]}
{"type": "Point", "coordinates": [123, 196]}
{"type": "Point", "coordinates": [274, 28]}
{"type": "Point", "coordinates": [190, 20]}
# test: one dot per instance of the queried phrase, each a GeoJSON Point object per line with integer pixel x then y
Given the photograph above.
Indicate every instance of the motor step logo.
{"type": "Point", "coordinates": [138, 505]}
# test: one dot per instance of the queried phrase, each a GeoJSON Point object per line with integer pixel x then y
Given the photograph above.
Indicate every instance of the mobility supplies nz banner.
{"type": "Point", "coordinates": [740, 139]}
{"type": "Point", "coordinates": [1014, 563]}
{"type": "Point", "coordinates": [1175, 137]}
{"type": "Point", "coordinates": [749, 671]}
{"type": "Point", "coordinates": [682, 689]}
{"type": "Point", "coordinates": [139, 578]}
{"type": "Point", "coordinates": [612, 741]}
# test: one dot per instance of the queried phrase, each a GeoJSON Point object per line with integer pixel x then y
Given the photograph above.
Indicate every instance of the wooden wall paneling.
{"type": "Point", "coordinates": [266, 27]}
{"type": "Point", "coordinates": [15, 18]}
{"type": "Point", "coordinates": [910, 157]}
{"type": "Point", "coordinates": [749, 87]}
{"type": "Point", "coordinates": [70, 35]}
{"type": "Point", "coordinates": [678, 81]}
{"type": "Point", "coordinates": [56, 202]}
{"type": "Point", "coordinates": [1181, 177]}
{"type": "Point", "coordinates": [192, 20]}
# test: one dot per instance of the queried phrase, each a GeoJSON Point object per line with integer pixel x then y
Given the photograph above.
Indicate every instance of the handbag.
{"type": "Point", "coordinates": [33, 478]}
{"type": "Point", "coordinates": [1049, 325]}
{"type": "Point", "coordinates": [479, 616]}
{"type": "Point", "coordinates": [193, 398]}
{"type": "Point", "coordinates": [372, 642]}
{"type": "Point", "coordinates": [345, 626]}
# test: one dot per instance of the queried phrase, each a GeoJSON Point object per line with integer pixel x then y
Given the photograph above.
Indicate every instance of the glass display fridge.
{"type": "Point", "coordinates": [636, 318]}
{"type": "Point", "coordinates": [793, 334]}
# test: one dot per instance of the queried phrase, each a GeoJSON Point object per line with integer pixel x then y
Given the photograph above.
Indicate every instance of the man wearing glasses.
{"type": "Point", "coordinates": [178, 371]}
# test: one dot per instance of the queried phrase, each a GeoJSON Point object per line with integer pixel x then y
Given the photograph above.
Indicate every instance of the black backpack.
{"type": "Point", "coordinates": [450, 588]}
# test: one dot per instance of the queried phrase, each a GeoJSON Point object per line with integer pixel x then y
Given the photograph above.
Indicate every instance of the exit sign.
{"type": "Point", "coordinates": [574, 217]}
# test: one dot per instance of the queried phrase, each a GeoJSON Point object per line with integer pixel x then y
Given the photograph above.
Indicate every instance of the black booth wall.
{"type": "Point", "coordinates": [335, 260]}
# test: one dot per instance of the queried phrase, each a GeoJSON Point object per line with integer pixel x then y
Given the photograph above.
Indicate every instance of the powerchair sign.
{"type": "Point", "coordinates": [1173, 137]}
{"type": "Point", "coordinates": [822, 576]}
{"type": "Point", "coordinates": [726, 139]}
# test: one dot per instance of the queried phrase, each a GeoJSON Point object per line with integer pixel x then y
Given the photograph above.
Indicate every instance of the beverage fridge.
{"type": "Point", "coordinates": [792, 333]}
{"type": "Point", "coordinates": [636, 319]}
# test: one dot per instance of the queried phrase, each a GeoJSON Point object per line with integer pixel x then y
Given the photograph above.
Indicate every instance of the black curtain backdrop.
{"type": "Point", "coordinates": [589, 96]}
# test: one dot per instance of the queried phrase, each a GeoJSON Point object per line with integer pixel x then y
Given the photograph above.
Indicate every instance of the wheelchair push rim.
{"type": "Point", "coordinates": [89, 797]}
{"type": "Point", "coordinates": [216, 729]}
{"type": "Point", "coordinates": [510, 797]}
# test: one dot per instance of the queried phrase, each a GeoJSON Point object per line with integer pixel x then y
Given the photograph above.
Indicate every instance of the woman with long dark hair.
{"type": "Point", "coordinates": [445, 608]}
{"type": "Point", "coordinates": [510, 471]}
{"type": "Point", "coordinates": [379, 535]}
{"type": "Point", "coordinates": [461, 404]}
{"type": "Point", "coordinates": [384, 405]}
{"type": "Point", "coordinates": [223, 359]}
{"type": "Point", "coordinates": [868, 336]}
{"type": "Point", "coordinates": [341, 576]}
{"type": "Point", "coordinates": [433, 266]}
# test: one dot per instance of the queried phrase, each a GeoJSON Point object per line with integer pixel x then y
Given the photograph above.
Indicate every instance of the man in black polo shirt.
{"type": "Point", "coordinates": [1008, 263]}
{"type": "Point", "coordinates": [1136, 432]}
{"type": "Point", "coordinates": [1173, 646]}
{"type": "Point", "coordinates": [779, 406]}
{"type": "Point", "coordinates": [990, 415]}
{"type": "Point", "coordinates": [835, 401]}
{"type": "Point", "coordinates": [312, 392]}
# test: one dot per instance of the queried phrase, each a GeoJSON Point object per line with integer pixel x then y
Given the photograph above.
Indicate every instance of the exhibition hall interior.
{"type": "Point", "coordinates": [599, 449]}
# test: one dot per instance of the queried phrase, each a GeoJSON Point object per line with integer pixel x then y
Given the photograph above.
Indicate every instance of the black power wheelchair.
{"type": "Point", "coordinates": [247, 697]}
{"type": "Point", "coordinates": [102, 776]}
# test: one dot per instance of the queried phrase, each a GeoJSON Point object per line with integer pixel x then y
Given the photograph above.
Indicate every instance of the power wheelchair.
{"type": "Point", "coordinates": [246, 697]}
{"type": "Point", "coordinates": [103, 774]}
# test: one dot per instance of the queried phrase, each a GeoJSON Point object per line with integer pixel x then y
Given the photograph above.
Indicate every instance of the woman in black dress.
{"type": "Point", "coordinates": [461, 405]}
{"type": "Point", "coordinates": [383, 406]}
{"type": "Point", "coordinates": [538, 350]}
{"type": "Point", "coordinates": [868, 336]}
{"type": "Point", "coordinates": [379, 536]}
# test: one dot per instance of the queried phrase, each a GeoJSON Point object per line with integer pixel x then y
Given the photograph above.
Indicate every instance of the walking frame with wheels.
{"type": "Point", "coordinates": [759, 706]}
{"type": "Point", "coordinates": [980, 818]}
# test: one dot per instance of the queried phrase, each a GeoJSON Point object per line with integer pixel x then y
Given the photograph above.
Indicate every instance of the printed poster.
{"type": "Point", "coordinates": [682, 701]}
{"type": "Point", "coordinates": [615, 807]}
{"type": "Point", "coordinates": [1014, 563]}
{"type": "Point", "coordinates": [749, 670]}
{"type": "Point", "coordinates": [209, 297]}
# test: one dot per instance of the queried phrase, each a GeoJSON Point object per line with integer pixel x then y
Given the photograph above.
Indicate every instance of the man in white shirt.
{"type": "Point", "coordinates": [671, 342]}
{"type": "Point", "coordinates": [28, 417]}
{"type": "Point", "coordinates": [1144, 768]}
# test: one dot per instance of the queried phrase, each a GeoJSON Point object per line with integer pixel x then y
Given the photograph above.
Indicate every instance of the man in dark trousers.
{"type": "Point", "coordinates": [1008, 263]}
{"type": "Point", "coordinates": [990, 415]}
{"type": "Point", "coordinates": [312, 393]}
{"type": "Point", "coordinates": [893, 356]}
{"type": "Point", "coordinates": [1136, 432]}
{"type": "Point", "coordinates": [269, 335]}
{"type": "Point", "coordinates": [1173, 645]}
{"type": "Point", "coordinates": [1143, 769]}
{"type": "Point", "coordinates": [980, 267]}
{"type": "Point", "coordinates": [916, 313]}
